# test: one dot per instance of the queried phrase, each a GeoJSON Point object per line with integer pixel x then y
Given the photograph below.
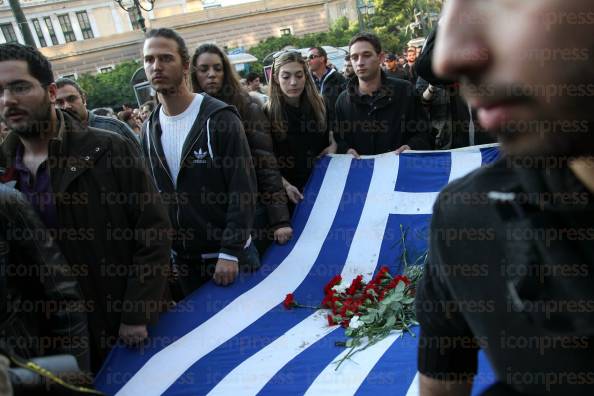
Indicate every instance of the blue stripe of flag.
{"type": "Point", "coordinates": [423, 173]}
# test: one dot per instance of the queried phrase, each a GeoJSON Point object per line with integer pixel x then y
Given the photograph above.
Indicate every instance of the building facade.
{"type": "Point", "coordinates": [92, 36]}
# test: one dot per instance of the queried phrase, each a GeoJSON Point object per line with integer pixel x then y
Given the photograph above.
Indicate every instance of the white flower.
{"type": "Point", "coordinates": [340, 288]}
{"type": "Point", "coordinates": [355, 323]}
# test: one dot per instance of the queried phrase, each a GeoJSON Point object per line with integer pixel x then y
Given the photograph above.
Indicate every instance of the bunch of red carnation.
{"type": "Point", "coordinates": [356, 298]}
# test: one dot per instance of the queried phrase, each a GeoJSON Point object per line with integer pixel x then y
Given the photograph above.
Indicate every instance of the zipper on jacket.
{"type": "Point", "coordinates": [174, 184]}
{"type": "Point", "coordinates": [183, 159]}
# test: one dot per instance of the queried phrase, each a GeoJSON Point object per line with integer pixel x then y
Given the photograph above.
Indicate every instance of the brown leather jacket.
{"type": "Point", "coordinates": [113, 228]}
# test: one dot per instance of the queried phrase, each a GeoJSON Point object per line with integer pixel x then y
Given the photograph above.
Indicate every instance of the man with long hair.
{"type": "Point", "coordinates": [198, 153]}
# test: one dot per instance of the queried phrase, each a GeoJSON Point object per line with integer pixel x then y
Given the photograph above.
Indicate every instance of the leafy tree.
{"type": "Point", "coordinates": [110, 89]}
{"type": "Point", "coordinates": [392, 17]}
{"type": "Point", "coordinates": [339, 35]}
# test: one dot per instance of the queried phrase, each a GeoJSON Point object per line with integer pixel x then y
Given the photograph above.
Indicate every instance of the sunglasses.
{"type": "Point", "coordinates": [313, 56]}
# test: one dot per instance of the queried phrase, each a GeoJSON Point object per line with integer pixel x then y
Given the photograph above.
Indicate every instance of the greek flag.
{"type": "Point", "coordinates": [357, 215]}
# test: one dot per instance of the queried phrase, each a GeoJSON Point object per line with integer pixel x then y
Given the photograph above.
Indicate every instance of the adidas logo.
{"type": "Point", "coordinates": [200, 156]}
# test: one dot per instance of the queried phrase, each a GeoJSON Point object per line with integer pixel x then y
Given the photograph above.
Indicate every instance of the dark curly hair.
{"type": "Point", "coordinates": [38, 65]}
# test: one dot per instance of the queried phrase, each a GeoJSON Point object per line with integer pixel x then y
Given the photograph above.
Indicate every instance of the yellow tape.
{"type": "Point", "coordinates": [51, 376]}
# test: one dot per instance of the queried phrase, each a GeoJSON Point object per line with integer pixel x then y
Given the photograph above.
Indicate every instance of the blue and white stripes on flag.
{"type": "Point", "coordinates": [239, 340]}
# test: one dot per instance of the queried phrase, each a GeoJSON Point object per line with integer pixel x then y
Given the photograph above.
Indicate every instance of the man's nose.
{"type": "Point", "coordinates": [157, 65]}
{"type": "Point", "coordinates": [460, 47]}
{"type": "Point", "coordinates": [7, 96]}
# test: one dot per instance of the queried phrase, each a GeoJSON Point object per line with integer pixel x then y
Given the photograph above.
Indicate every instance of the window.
{"type": "Point", "coordinates": [50, 29]}
{"type": "Point", "coordinates": [39, 32]}
{"type": "Point", "coordinates": [72, 76]}
{"type": "Point", "coordinates": [8, 32]}
{"type": "Point", "coordinates": [285, 31]}
{"type": "Point", "coordinates": [135, 16]}
{"type": "Point", "coordinates": [105, 69]}
{"type": "Point", "coordinates": [66, 26]}
{"type": "Point", "coordinates": [85, 24]}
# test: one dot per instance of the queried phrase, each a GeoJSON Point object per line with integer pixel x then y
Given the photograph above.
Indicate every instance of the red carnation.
{"type": "Point", "coordinates": [333, 282]}
{"type": "Point", "coordinates": [392, 283]}
{"type": "Point", "coordinates": [330, 320]}
{"type": "Point", "coordinates": [355, 284]}
{"type": "Point", "coordinates": [289, 301]}
{"type": "Point", "coordinates": [404, 279]}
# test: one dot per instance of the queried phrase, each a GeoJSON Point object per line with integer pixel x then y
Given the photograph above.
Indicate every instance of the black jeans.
{"type": "Point", "coordinates": [194, 274]}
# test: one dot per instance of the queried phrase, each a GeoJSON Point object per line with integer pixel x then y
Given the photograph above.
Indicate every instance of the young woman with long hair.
{"type": "Point", "coordinates": [213, 74]}
{"type": "Point", "coordinates": [297, 115]}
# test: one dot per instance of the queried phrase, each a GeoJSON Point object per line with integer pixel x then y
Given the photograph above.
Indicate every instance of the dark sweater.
{"type": "Point", "coordinates": [298, 150]}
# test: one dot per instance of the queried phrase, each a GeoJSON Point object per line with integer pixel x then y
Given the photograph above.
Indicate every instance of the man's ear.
{"type": "Point", "coordinates": [52, 91]}
{"type": "Point", "coordinates": [382, 57]}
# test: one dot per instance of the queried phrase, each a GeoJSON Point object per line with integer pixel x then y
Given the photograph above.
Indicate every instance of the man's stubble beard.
{"type": "Point", "coordinates": [174, 88]}
{"type": "Point", "coordinates": [39, 122]}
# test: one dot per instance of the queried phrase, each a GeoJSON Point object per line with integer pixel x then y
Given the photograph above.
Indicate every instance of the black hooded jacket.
{"type": "Point", "coordinates": [212, 205]}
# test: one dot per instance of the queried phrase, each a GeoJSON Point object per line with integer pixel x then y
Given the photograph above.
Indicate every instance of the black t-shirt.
{"type": "Point", "coordinates": [512, 270]}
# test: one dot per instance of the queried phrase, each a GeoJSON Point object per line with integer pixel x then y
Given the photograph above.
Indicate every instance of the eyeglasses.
{"type": "Point", "coordinates": [313, 56]}
{"type": "Point", "coordinates": [20, 88]}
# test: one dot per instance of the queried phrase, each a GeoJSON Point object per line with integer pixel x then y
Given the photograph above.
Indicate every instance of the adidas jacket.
{"type": "Point", "coordinates": [212, 206]}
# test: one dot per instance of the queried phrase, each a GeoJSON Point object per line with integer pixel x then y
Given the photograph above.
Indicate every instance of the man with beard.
{"type": "Point", "coordinates": [71, 97]}
{"type": "Point", "coordinates": [198, 151]}
{"type": "Point", "coordinates": [376, 114]}
{"type": "Point", "coordinates": [93, 194]}
{"type": "Point", "coordinates": [409, 69]}
{"type": "Point", "coordinates": [524, 293]}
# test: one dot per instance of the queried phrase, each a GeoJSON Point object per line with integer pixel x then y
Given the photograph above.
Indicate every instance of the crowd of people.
{"type": "Point", "coordinates": [107, 221]}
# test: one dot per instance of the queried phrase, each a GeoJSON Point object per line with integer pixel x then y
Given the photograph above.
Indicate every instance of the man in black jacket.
{"type": "Point", "coordinates": [330, 82]}
{"type": "Point", "coordinates": [511, 250]}
{"type": "Point", "coordinates": [377, 114]}
{"type": "Point", "coordinates": [199, 154]}
{"type": "Point", "coordinates": [90, 188]}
